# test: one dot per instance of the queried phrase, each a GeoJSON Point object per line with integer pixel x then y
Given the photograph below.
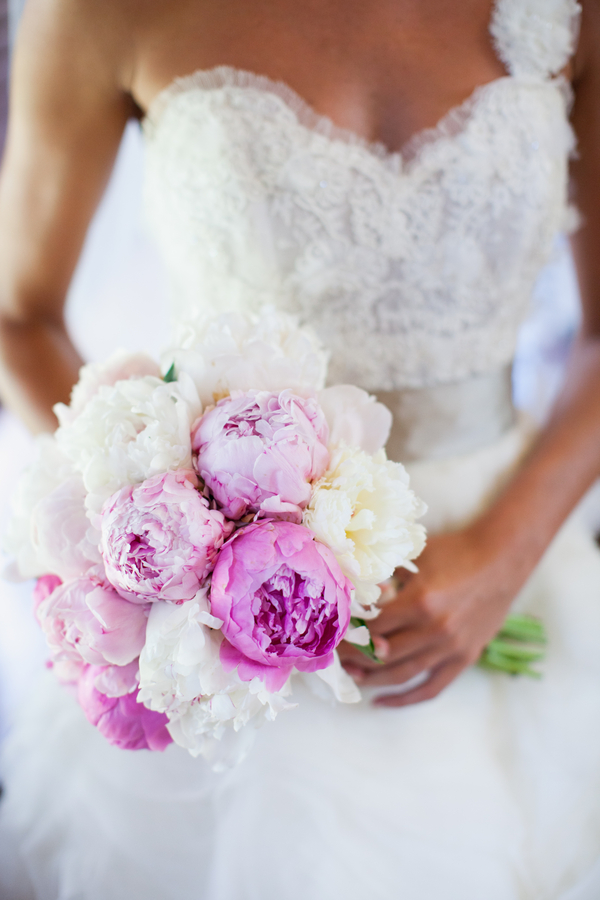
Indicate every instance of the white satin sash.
{"type": "Point", "coordinates": [449, 419]}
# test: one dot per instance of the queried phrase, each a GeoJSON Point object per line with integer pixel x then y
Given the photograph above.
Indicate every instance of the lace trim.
{"type": "Point", "coordinates": [535, 37]}
{"type": "Point", "coordinates": [451, 123]}
{"type": "Point", "coordinates": [228, 76]}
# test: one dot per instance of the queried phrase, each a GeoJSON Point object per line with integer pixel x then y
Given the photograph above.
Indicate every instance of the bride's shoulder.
{"type": "Point", "coordinates": [99, 38]}
{"type": "Point", "coordinates": [71, 17]}
{"type": "Point", "coordinates": [96, 34]}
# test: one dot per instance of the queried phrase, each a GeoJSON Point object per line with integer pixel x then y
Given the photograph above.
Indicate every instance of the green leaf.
{"type": "Point", "coordinates": [170, 376]}
{"type": "Point", "coordinates": [367, 649]}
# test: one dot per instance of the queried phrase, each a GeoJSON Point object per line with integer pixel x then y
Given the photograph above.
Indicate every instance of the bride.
{"type": "Point", "coordinates": [293, 158]}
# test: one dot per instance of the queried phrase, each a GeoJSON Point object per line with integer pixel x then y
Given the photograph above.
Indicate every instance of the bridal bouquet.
{"type": "Point", "coordinates": [202, 537]}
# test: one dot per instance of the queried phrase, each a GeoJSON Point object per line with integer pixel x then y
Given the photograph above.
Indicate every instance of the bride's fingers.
{"type": "Point", "coordinates": [401, 612]}
{"type": "Point", "coordinates": [400, 673]}
{"type": "Point", "coordinates": [391, 588]}
{"type": "Point", "coordinates": [436, 683]}
{"type": "Point", "coordinates": [390, 649]}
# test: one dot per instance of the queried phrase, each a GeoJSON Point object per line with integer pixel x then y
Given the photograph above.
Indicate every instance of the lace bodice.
{"type": "Point", "coordinates": [414, 267]}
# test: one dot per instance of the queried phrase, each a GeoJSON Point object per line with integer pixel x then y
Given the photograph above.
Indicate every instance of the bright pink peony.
{"type": "Point", "coordinates": [121, 720]}
{"type": "Point", "coordinates": [87, 620]}
{"type": "Point", "coordinates": [160, 538]}
{"type": "Point", "coordinates": [260, 451]}
{"type": "Point", "coordinates": [283, 599]}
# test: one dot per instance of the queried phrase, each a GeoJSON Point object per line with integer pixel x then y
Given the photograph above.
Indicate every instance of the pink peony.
{"type": "Point", "coordinates": [260, 451]}
{"type": "Point", "coordinates": [121, 720]}
{"type": "Point", "coordinates": [87, 620]}
{"type": "Point", "coordinates": [283, 599]}
{"type": "Point", "coordinates": [160, 538]}
{"type": "Point", "coordinates": [44, 586]}
{"type": "Point", "coordinates": [116, 681]}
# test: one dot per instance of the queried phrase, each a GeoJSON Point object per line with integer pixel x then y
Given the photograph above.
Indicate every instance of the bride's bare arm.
{"type": "Point", "coordinates": [446, 614]}
{"type": "Point", "coordinates": [68, 112]}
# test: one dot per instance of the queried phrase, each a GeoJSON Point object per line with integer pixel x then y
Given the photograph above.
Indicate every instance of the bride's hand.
{"type": "Point", "coordinates": [441, 618]}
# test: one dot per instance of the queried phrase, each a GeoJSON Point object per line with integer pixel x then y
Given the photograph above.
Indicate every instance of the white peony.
{"type": "Point", "coordinates": [129, 432]}
{"type": "Point", "coordinates": [364, 510]}
{"type": "Point", "coordinates": [213, 727]}
{"type": "Point", "coordinates": [181, 674]}
{"type": "Point", "coordinates": [222, 752]}
{"type": "Point", "coordinates": [342, 685]}
{"type": "Point", "coordinates": [120, 366]}
{"type": "Point", "coordinates": [268, 351]}
{"type": "Point", "coordinates": [49, 531]}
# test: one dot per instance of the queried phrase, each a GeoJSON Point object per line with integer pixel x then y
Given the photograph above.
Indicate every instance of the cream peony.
{"type": "Point", "coordinates": [129, 432]}
{"type": "Point", "coordinates": [365, 511]}
{"type": "Point", "coordinates": [264, 352]}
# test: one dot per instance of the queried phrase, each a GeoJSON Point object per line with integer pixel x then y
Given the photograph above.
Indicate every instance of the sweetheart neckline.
{"type": "Point", "coordinates": [219, 77]}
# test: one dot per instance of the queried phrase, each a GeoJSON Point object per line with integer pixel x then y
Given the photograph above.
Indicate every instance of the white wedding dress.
{"type": "Point", "coordinates": [416, 269]}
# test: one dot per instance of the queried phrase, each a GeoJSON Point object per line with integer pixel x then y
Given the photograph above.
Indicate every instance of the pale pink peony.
{"type": "Point", "coordinates": [116, 681]}
{"type": "Point", "coordinates": [68, 671]}
{"type": "Point", "coordinates": [260, 451]}
{"type": "Point", "coordinates": [355, 418]}
{"type": "Point", "coordinates": [62, 536]}
{"type": "Point", "coordinates": [123, 721]}
{"type": "Point", "coordinates": [283, 599]}
{"type": "Point", "coordinates": [87, 620]}
{"type": "Point", "coordinates": [160, 538]}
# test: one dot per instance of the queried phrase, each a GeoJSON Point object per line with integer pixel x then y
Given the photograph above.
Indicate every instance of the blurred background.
{"type": "Point", "coordinates": [118, 299]}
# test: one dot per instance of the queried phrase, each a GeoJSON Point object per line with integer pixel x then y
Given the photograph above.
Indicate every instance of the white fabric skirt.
{"type": "Point", "coordinates": [491, 791]}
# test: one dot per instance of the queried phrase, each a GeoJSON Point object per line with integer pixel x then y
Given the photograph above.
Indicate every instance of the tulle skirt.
{"type": "Point", "coordinates": [489, 792]}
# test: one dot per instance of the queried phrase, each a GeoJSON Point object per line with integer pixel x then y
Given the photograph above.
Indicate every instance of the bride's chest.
{"type": "Point", "coordinates": [235, 157]}
{"type": "Point", "coordinates": [386, 69]}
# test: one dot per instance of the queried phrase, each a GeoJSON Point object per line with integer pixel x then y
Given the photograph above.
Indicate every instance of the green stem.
{"type": "Point", "coordinates": [520, 641]}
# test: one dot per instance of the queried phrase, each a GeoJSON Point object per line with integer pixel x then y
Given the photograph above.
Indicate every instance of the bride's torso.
{"type": "Point", "coordinates": [416, 265]}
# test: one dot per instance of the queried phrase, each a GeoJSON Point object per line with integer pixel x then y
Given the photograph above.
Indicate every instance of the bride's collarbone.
{"type": "Point", "coordinates": [386, 70]}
